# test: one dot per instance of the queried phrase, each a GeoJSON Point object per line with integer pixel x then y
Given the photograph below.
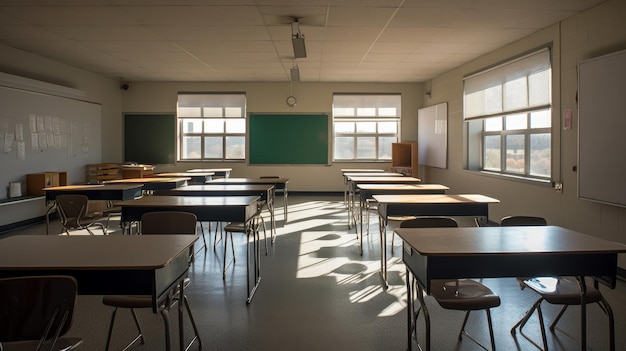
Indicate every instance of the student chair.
{"type": "Point", "coordinates": [158, 222]}
{"type": "Point", "coordinates": [36, 312]}
{"type": "Point", "coordinates": [250, 229]}
{"type": "Point", "coordinates": [74, 216]}
{"type": "Point", "coordinates": [554, 290]}
{"type": "Point", "coordinates": [457, 294]}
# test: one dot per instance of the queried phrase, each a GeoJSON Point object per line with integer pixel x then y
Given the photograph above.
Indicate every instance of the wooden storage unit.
{"type": "Point", "coordinates": [136, 171]}
{"type": "Point", "coordinates": [35, 182]}
{"type": "Point", "coordinates": [404, 158]}
{"type": "Point", "coordinates": [101, 172]}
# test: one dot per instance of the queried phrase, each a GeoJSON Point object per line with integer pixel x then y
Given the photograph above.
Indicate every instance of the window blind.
{"type": "Point", "coordinates": [518, 85]}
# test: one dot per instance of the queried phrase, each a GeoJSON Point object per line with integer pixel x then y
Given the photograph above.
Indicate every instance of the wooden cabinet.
{"type": "Point", "coordinates": [404, 158]}
{"type": "Point", "coordinates": [101, 172]}
{"type": "Point", "coordinates": [136, 171]}
{"type": "Point", "coordinates": [35, 182]}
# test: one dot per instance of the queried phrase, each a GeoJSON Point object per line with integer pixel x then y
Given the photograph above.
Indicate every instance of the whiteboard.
{"type": "Point", "coordinates": [41, 132]}
{"type": "Point", "coordinates": [432, 129]}
{"type": "Point", "coordinates": [602, 128]}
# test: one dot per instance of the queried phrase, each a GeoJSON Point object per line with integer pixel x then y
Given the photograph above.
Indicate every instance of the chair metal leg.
{"type": "Point", "coordinates": [139, 337]}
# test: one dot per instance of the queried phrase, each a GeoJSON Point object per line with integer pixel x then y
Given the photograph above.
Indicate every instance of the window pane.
{"type": "Point", "coordinates": [235, 147]}
{"type": "Point", "coordinates": [540, 156]}
{"type": "Point", "coordinates": [388, 127]}
{"type": "Point", "coordinates": [515, 122]}
{"type": "Point", "coordinates": [236, 125]}
{"type": "Point", "coordinates": [366, 111]}
{"type": "Point", "coordinates": [213, 112]}
{"type": "Point", "coordinates": [213, 147]}
{"type": "Point", "coordinates": [515, 153]}
{"type": "Point", "coordinates": [191, 147]}
{"type": "Point", "coordinates": [343, 112]}
{"type": "Point", "coordinates": [192, 125]}
{"type": "Point", "coordinates": [366, 148]}
{"type": "Point", "coordinates": [493, 124]}
{"type": "Point", "coordinates": [384, 147]}
{"type": "Point", "coordinates": [344, 127]}
{"type": "Point", "coordinates": [387, 112]}
{"type": "Point", "coordinates": [344, 148]}
{"type": "Point", "coordinates": [540, 119]}
{"type": "Point", "coordinates": [189, 112]}
{"type": "Point", "coordinates": [233, 112]}
{"type": "Point", "coordinates": [366, 127]}
{"type": "Point", "coordinates": [214, 125]}
{"type": "Point", "coordinates": [491, 155]}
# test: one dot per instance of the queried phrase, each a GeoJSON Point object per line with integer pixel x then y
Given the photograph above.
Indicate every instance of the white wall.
{"type": "Point", "coordinates": [159, 97]}
{"type": "Point", "coordinates": [595, 32]}
{"type": "Point", "coordinates": [97, 89]}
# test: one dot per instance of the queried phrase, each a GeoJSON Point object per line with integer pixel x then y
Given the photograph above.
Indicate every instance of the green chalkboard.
{"type": "Point", "coordinates": [150, 138]}
{"type": "Point", "coordinates": [284, 139]}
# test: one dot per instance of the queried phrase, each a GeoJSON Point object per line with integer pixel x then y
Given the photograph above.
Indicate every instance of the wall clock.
{"type": "Point", "coordinates": [291, 101]}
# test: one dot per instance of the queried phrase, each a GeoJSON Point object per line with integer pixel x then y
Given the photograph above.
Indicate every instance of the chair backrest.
{"type": "Point", "coordinates": [168, 222]}
{"type": "Point", "coordinates": [72, 208]}
{"type": "Point", "coordinates": [429, 222]}
{"type": "Point", "coordinates": [36, 307]}
{"type": "Point", "coordinates": [522, 221]}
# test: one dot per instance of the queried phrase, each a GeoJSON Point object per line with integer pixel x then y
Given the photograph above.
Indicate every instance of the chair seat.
{"type": "Point", "coordinates": [562, 291]}
{"type": "Point", "coordinates": [464, 295]}
{"type": "Point", "coordinates": [62, 344]}
{"type": "Point", "coordinates": [134, 301]}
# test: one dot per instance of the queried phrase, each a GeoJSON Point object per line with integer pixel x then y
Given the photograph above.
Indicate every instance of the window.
{"type": "Point", "coordinates": [509, 111]}
{"type": "Point", "coordinates": [212, 127]}
{"type": "Point", "coordinates": [365, 126]}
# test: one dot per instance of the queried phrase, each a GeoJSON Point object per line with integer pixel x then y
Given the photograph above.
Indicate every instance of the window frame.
{"type": "Point", "coordinates": [373, 101]}
{"type": "Point", "coordinates": [476, 132]}
{"type": "Point", "coordinates": [213, 101]}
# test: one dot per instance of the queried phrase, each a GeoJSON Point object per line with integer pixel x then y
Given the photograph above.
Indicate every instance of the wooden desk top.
{"type": "Point", "coordinates": [385, 179]}
{"type": "Point", "coordinates": [214, 170]}
{"type": "Point", "coordinates": [183, 174]}
{"type": "Point", "coordinates": [503, 241]}
{"type": "Point", "coordinates": [92, 252]}
{"type": "Point", "coordinates": [357, 170]}
{"type": "Point", "coordinates": [434, 199]}
{"type": "Point", "coordinates": [349, 176]}
{"type": "Point", "coordinates": [182, 201]}
{"type": "Point", "coordinates": [249, 181]}
{"type": "Point", "coordinates": [149, 180]}
{"type": "Point", "coordinates": [94, 187]}
{"type": "Point", "coordinates": [401, 187]}
{"type": "Point", "coordinates": [222, 188]}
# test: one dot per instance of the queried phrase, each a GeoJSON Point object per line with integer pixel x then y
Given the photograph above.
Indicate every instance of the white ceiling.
{"type": "Point", "coordinates": [250, 40]}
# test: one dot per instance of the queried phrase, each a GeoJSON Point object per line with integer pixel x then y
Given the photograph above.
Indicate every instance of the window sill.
{"type": "Point", "coordinates": [521, 179]}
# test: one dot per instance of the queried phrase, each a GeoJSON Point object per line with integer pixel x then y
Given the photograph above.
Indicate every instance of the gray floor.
{"type": "Point", "coordinates": [318, 293]}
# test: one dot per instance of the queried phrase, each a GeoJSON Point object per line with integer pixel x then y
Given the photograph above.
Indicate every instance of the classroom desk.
{"type": "Point", "coordinates": [265, 191]}
{"type": "Point", "coordinates": [153, 183]}
{"type": "Point", "coordinates": [219, 172]}
{"type": "Point", "coordinates": [473, 205]}
{"type": "Point", "coordinates": [278, 183]}
{"type": "Point", "coordinates": [346, 173]}
{"type": "Point", "coordinates": [354, 170]}
{"type": "Point", "coordinates": [490, 252]}
{"type": "Point", "coordinates": [207, 209]}
{"type": "Point", "coordinates": [366, 191]}
{"type": "Point", "coordinates": [194, 177]}
{"type": "Point", "coordinates": [107, 192]}
{"type": "Point", "coordinates": [102, 268]}
{"type": "Point", "coordinates": [353, 180]}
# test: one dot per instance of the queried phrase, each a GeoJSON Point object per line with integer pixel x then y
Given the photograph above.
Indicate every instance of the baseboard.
{"type": "Point", "coordinates": [21, 224]}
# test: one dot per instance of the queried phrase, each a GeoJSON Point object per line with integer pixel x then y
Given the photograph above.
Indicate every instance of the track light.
{"type": "Point", "coordinates": [297, 39]}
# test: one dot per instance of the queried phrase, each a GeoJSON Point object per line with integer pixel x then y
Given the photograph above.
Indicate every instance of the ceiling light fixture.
{"type": "Point", "coordinates": [297, 39]}
{"type": "Point", "coordinates": [295, 74]}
